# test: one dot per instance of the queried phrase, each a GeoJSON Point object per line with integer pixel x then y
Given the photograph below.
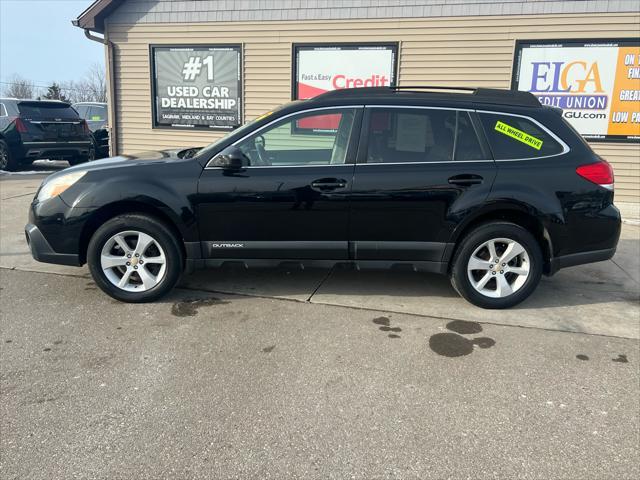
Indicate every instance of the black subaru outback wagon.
{"type": "Point", "coordinates": [486, 186]}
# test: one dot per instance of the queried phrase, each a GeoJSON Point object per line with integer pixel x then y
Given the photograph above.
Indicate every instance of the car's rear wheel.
{"type": "Point", "coordinates": [497, 265]}
{"type": "Point", "coordinates": [7, 162]}
{"type": "Point", "coordinates": [135, 258]}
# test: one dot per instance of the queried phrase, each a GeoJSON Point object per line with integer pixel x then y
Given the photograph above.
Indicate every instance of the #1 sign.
{"type": "Point", "coordinates": [197, 86]}
{"type": "Point", "coordinates": [596, 83]}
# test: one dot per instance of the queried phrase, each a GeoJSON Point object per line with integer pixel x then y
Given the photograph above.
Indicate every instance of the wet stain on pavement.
{"type": "Point", "coordinates": [8, 341]}
{"type": "Point", "coordinates": [455, 345]}
{"type": "Point", "coordinates": [385, 326]}
{"type": "Point", "coordinates": [463, 327]}
{"type": "Point", "coordinates": [582, 357]}
{"type": "Point", "coordinates": [268, 349]}
{"type": "Point", "coordinates": [189, 307]}
{"type": "Point", "coordinates": [622, 358]}
{"type": "Point", "coordinates": [382, 321]}
{"type": "Point", "coordinates": [46, 349]}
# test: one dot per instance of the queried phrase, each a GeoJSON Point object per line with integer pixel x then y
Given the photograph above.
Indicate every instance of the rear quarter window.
{"type": "Point", "coordinates": [517, 138]}
{"type": "Point", "coordinates": [47, 111]}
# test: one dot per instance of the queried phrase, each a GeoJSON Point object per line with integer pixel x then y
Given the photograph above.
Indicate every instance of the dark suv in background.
{"type": "Point", "coordinates": [486, 186]}
{"type": "Point", "coordinates": [35, 129]}
{"type": "Point", "coordinates": [96, 114]}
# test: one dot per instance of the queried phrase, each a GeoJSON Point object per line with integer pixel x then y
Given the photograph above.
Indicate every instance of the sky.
{"type": "Point", "coordinates": [38, 42]}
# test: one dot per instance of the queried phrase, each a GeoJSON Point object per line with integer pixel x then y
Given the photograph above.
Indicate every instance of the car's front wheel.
{"type": "Point", "coordinates": [497, 265]}
{"type": "Point", "coordinates": [135, 258]}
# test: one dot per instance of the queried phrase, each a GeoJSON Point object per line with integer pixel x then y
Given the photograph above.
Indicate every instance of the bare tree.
{"type": "Point", "coordinates": [76, 91]}
{"type": "Point", "coordinates": [97, 83]}
{"type": "Point", "coordinates": [19, 87]}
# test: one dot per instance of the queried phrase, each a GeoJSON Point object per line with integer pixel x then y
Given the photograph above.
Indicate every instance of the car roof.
{"type": "Point", "coordinates": [101, 104]}
{"type": "Point", "coordinates": [460, 97]}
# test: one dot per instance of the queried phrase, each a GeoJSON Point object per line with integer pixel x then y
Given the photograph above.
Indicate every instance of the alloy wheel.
{"type": "Point", "coordinates": [498, 267]}
{"type": "Point", "coordinates": [133, 261]}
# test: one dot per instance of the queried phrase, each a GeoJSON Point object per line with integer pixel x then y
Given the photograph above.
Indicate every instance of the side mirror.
{"type": "Point", "coordinates": [231, 158]}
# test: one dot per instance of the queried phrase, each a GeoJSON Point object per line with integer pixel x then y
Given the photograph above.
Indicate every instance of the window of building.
{"type": "Point", "coordinates": [513, 137]}
{"type": "Point", "coordinates": [285, 143]}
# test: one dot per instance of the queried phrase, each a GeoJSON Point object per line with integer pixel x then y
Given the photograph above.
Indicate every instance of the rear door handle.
{"type": "Point", "coordinates": [465, 179]}
{"type": "Point", "coordinates": [325, 184]}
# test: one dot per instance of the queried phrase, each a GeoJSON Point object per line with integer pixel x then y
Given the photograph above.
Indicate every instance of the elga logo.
{"type": "Point", "coordinates": [227, 245]}
{"type": "Point", "coordinates": [568, 83]}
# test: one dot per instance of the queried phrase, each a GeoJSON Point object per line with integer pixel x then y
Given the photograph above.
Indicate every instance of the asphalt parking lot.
{"type": "Point", "coordinates": [314, 374]}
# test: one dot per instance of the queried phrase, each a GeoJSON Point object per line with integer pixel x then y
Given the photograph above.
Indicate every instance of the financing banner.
{"type": "Point", "coordinates": [321, 68]}
{"type": "Point", "coordinates": [596, 83]}
{"type": "Point", "coordinates": [197, 86]}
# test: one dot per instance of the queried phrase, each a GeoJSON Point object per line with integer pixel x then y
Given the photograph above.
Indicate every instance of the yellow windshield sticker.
{"type": "Point", "coordinates": [95, 117]}
{"type": "Point", "coordinates": [519, 135]}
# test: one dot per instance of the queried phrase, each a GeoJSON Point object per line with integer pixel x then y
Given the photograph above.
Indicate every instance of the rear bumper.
{"type": "Point", "coordinates": [580, 259]}
{"type": "Point", "coordinates": [36, 150]}
{"type": "Point", "coordinates": [42, 251]}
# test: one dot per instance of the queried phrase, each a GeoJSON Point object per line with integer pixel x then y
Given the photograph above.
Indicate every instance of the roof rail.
{"type": "Point", "coordinates": [432, 87]}
{"type": "Point", "coordinates": [478, 95]}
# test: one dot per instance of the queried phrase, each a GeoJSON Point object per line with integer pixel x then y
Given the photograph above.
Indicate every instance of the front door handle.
{"type": "Point", "coordinates": [324, 184]}
{"type": "Point", "coordinates": [465, 179]}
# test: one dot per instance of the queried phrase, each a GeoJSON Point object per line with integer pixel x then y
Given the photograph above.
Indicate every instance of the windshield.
{"type": "Point", "coordinates": [212, 148]}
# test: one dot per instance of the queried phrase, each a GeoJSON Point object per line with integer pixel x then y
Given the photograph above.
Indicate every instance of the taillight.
{"type": "Point", "coordinates": [85, 127]}
{"type": "Point", "coordinates": [599, 173]}
{"type": "Point", "coordinates": [20, 126]}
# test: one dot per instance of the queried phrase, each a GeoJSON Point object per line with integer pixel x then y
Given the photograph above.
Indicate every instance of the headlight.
{"type": "Point", "coordinates": [57, 185]}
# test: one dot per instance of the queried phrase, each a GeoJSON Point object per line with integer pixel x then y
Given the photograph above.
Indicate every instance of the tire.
{"type": "Point", "coordinates": [7, 161]}
{"type": "Point", "coordinates": [496, 285]}
{"type": "Point", "coordinates": [83, 159]}
{"type": "Point", "coordinates": [145, 282]}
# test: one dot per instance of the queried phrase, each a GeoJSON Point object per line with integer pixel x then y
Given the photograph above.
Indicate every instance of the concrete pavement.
{"type": "Point", "coordinates": [231, 386]}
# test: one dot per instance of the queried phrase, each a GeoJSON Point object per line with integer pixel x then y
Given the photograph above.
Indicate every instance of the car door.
{"type": "Point", "coordinates": [419, 171]}
{"type": "Point", "coordinates": [291, 201]}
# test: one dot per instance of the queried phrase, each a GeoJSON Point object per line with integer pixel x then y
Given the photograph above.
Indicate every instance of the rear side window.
{"type": "Point", "coordinates": [415, 135]}
{"type": "Point", "coordinates": [3, 110]}
{"type": "Point", "coordinates": [42, 110]}
{"type": "Point", "coordinates": [517, 138]}
{"type": "Point", "coordinates": [82, 110]}
{"type": "Point", "coordinates": [411, 135]}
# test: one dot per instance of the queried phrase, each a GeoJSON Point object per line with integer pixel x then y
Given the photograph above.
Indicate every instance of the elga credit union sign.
{"type": "Point", "coordinates": [197, 86]}
{"type": "Point", "coordinates": [321, 68]}
{"type": "Point", "coordinates": [596, 83]}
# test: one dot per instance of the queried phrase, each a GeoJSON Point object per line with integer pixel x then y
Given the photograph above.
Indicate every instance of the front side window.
{"type": "Point", "coordinates": [512, 138]}
{"type": "Point", "coordinates": [310, 138]}
{"type": "Point", "coordinates": [418, 135]}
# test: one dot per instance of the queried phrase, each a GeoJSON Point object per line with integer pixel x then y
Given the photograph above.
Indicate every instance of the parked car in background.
{"type": "Point", "coordinates": [36, 129]}
{"type": "Point", "coordinates": [96, 115]}
{"type": "Point", "coordinates": [486, 186]}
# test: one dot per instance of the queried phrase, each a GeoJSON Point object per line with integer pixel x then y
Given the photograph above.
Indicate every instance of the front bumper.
{"type": "Point", "coordinates": [42, 251]}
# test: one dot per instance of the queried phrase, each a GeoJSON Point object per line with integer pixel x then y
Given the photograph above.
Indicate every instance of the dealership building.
{"type": "Point", "coordinates": [183, 73]}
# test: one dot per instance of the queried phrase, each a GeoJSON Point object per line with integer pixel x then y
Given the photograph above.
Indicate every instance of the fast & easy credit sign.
{"type": "Point", "coordinates": [595, 83]}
